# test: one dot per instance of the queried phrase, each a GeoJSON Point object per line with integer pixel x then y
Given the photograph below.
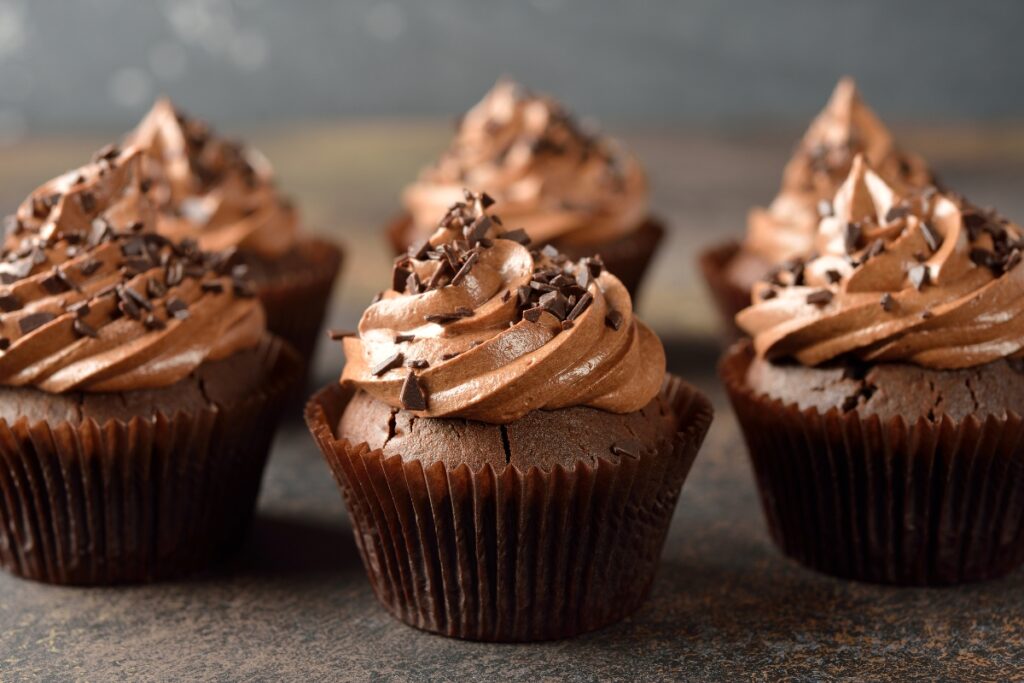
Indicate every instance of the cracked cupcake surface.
{"type": "Point", "coordinates": [477, 325]}
{"type": "Point", "coordinates": [903, 289]}
{"type": "Point", "coordinates": [93, 299]}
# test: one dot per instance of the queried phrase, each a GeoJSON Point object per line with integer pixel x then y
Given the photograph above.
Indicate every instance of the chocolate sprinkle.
{"type": "Point", "coordinates": [412, 396]}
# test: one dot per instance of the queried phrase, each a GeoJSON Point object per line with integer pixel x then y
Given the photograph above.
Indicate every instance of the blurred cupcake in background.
{"type": "Point", "coordinates": [882, 393]}
{"type": "Point", "coordinates": [139, 388]}
{"type": "Point", "coordinates": [568, 187]}
{"type": "Point", "coordinates": [222, 194]}
{"type": "Point", "coordinates": [506, 438]}
{"type": "Point", "coordinates": [786, 229]}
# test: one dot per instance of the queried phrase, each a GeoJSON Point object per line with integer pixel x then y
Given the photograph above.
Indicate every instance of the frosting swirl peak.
{"type": "Point", "coordinates": [211, 189]}
{"type": "Point", "coordinates": [923, 278]}
{"type": "Point", "coordinates": [478, 326]}
{"type": "Point", "coordinates": [93, 299]}
{"type": "Point", "coordinates": [845, 128]}
{"type": "Point", "coordinates": [550, 176]}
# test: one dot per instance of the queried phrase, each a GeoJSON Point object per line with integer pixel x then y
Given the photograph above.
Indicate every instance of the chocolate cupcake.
{"type": "Point", "coordinates": [567, 187]}
{"type": "Point", "coordinates": [139, 388]}
{"type": "Point", "coordinates": [786, 229]}
{"type": "Point", "coordinates": [881, 396]}
{"type": "Point", "coordinates": [223, 195]}
{"type": "Point", "coordinates": [506, 439]}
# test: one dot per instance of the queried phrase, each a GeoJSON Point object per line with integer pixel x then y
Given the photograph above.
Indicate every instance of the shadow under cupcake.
{"type": "Point", "coordinates": [881, 396]}
{"type": "Point", "coordinates": [506, 439]}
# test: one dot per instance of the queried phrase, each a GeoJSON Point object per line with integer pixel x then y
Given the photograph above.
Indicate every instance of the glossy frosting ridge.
{"type": "Point", "coordinates": [211, 189]}
{"type": "Point", "coordinates": [922, 277]}
{"type": "Point", "coordinates": [551, 177]}
{"type": "Point", "coordinates": [845, 128]}
{"type": "Point", "coordinates": [477, 325]}
{"type": "Point", "coordinates": [93, 299]}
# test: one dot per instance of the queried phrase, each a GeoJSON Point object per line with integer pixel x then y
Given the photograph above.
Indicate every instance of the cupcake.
{"type": "Point", "coordinates": [138, 387]}
{"type": "Point", "coordinates": [567, 187]}
{"type": "Point", "coordinates": [506, 439]}
{"type": "Point", "coordinates": [882, 392]}
{"type": "Point", "coordinates": [223, 195]}
{"type": "Point", "coordinates": [786, 229]}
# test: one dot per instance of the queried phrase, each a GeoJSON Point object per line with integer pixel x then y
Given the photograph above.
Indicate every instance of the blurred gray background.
{"type": "Point", "coordinates": [97, 64]}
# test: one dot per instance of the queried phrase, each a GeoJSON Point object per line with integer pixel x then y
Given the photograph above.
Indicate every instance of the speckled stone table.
{"type": "Point", "coordinates": [294, 605]}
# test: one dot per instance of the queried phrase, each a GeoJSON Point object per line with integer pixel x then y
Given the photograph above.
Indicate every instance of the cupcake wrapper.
{"type": "Point", "coordinates": [510, 555]}
{"type": "Point", "coordinates": [296, 303]}
{"type": "Point", "coordinates": [928, 503]}
{"type": "Point", "coordinates": [729, 299]}
{"type": "Point", "coordinates": [626, 257]}
{"type": "Point", "coordinates": [92, 504]}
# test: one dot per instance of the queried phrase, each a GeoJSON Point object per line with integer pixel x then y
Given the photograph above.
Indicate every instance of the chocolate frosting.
{"type": "Point", "coordinates": [93, 299]}
{"type": "Point", "coordinates": [550, 177]}
{"type": "Point", "coordinates": [210, 189]}
{"type": "Point", "coordinates": [478, 326]}
{"type": "Point", "coordinates": [923, 278]}
{"type": "Point", "coordinates": [844, 129]}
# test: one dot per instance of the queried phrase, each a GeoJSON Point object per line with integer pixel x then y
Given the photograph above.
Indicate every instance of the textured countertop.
{"type": "Point", "coordinates": [294, 605]}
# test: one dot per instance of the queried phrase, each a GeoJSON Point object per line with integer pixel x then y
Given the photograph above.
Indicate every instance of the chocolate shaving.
{"type": "Point", "coordinates": [833, 276]}
{"type": "Point", "coordinates": [390, 363]}
{"type": "Point", "coordinates": [400, 278]}
{"type": "Point", "coordinates": [518, 235]}
{"type": "Point", "coordinates": [580, 306]}
{"type": "Point", "coordinates": [466, 267]}
{"type": "Point", "coordinates": [444, 318]}
{"type": "Point", "coordinates": [84, 329]}
{"type": "Point", "coordinates": [176, 308]}
{"type": "Point", "coordinates": [919, 276]}
{"type": "Point", "coordinates": [401, 338]}
{"type": "Point", "coordinates": [34, 321]}
{"type": "Point", "coordinates": [851, 237]}
{"type": "Point", "coordinates": [887, 302]}
{"type": "Point", "coordinates": [820, 297]}
{"type": "Point", "coordinates": [9, 302]}
{"type": "Point", "coordinates": [338, 335]}
{"type": "Point", "coordinates": [412, 396]}
{"type": "Point", "coordinates": [418, 364]}
{"type": "Point", "coordinates": [931, 237]}
{"type": "Point", "coordinates": [614, 320]}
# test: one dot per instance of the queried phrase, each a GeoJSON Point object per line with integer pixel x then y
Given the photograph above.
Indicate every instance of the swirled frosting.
{"type": "Point", "coordinates": [210, 189]}
{"type": "Point", "coordinates": [93, 299]}
{"type": "Point", "coordinates": [844, 129]}
{"type": "Point", "coordinates": [558, 182]}
{"type": "Point", "coordinates": [922, 278]}
{"type": "Point", "coordinates": [478, 326]}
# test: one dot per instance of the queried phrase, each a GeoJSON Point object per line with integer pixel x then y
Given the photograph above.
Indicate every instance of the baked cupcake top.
{"type": "Point", "coordinates": [93, 299]}
{"type": "Point", "coordinates": [210, 189]}
{"type": "Point", "coordinates": [550, 176]}
{"type": "Point", "coordinates": [844, 129]}
{"type": "Point", "coordinates": [476, 325]}
{"type": "Point", "coordinates": [920, 277]}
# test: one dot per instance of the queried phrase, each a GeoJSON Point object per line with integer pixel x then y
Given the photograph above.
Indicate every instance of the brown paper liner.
{"type": "Point", "coordinates": [728, 297]}
{"type": "Point", "coordinates": [510, 555]}
{"type": "Point", "coordinates": [147, 499]}
{"type": "Point", "coordinates": [627, 257]}
{"type": "Point", "coordinates": [296, 302]}
{"type": "Point", "coordinates": [927, 503]}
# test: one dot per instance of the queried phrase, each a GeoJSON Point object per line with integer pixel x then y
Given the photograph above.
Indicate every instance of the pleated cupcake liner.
{"type": "Point", "coordinates": [139, 500]}
{"type": "Point", "coordinates": [627, 257]}
{"type": "Point", "coordinates": [729, 299]}
{"type": "Point", "coordinates": [888, 501]}
{"type": "Point", "coordinates": [511, 555]}
{"type": "Point", "coordinates": [296, 302]}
